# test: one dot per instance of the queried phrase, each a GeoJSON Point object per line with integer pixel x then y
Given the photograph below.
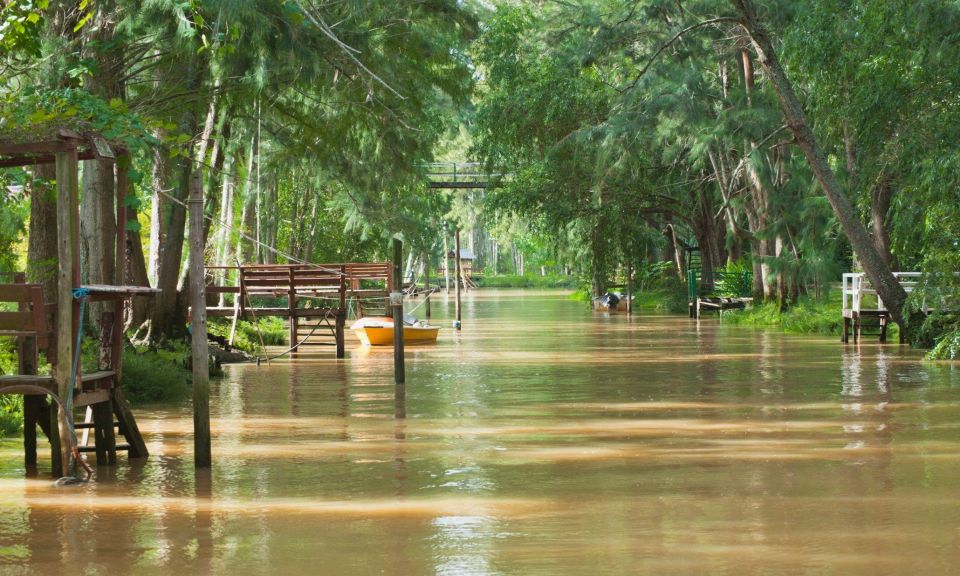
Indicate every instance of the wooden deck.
{"type": "Point", "coordinates": [863, 308]}
{"type": "Point", "coordinates": [314, 297]}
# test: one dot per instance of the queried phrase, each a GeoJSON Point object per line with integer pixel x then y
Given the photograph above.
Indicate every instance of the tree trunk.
{"type": "Point", "coordinates": [136, 273]}
{"type": "Point", "coordinates": [159, 209]}
{"type": "Point", "coordinates": [876, 269]}
{"type": "Point", "coordinates": [98, 232]}
{"type": "Point", "coordinates": [880, 199]}
{"type": "Point", "coordinates": [42, 239]}
{"type": "Point", "coordinates": [167, 319]}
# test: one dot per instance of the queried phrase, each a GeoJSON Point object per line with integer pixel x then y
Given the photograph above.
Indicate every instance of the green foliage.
{"type": "Point", "coordinates": [947, 346]}
{"type": "Point", "coordinates": [249, 333]}
{"type": "Point", "coordinates": [528, 281]}
{"type": "Point", "coordinates": [807, 316]}
{"type": "Point", "coordinates": [156, 375]}
{"type": "Point", "coordinates": [14, 211]}
{"type": "Point", "coordinates": [733, 280]}
{"type": "Point", "coordinates": [20, 24]}
{"type": "Point", "coordinates": [37, 114]}
{"type": "Point", "coordinates": [11, 414]}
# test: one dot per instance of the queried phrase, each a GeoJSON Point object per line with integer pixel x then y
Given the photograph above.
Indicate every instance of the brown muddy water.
{"type": "Point", "coordinates": [543, 439]}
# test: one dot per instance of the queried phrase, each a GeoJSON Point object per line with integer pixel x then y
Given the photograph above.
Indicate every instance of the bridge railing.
{"type": "Point", "coordinates": [460, 175]}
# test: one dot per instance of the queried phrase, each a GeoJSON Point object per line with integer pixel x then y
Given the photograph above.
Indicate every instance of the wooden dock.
{"type": "Point", "coordinates": [863, 308]}
{"type": "Point", "coordinates": [314, 298]}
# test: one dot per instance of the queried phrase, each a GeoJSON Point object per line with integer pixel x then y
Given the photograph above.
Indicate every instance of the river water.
{"type": "Point", "coordinates": [542, 439]}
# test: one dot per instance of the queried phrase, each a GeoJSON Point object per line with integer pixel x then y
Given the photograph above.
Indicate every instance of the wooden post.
{"type": "Point", "coordinates": [32, 405]}
{"type": "Point", "coordinates": [446, 263]}
{"type": "Point", "coordinates": [198, 323]}
{"type": "Point", "coordinates": [292, 309]}
{"type": "Point", "coordinates": [342, 315]}
{"type": "Point", "coordinates": [396, 301]}
{"type": "Point", "coordinates": [629, 286]}
{"type": "Point", "coordinates": [459, 278]}
{"type": "Point", "coordinates": [426, 274]}
{"type": "Point", "coordinates": [66, 167]}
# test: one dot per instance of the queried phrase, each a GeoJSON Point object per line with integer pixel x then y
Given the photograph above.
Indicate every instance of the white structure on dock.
{"type": "Point", "coordinates": [860, 301]}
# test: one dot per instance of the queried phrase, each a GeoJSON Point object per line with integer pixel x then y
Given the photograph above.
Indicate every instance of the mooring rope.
{"type": "Point", "coordinates": [326, 316]}
{"type": "Point", "coordinates": [82, 295]}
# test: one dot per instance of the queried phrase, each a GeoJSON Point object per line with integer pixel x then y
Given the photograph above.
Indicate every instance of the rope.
{"type": "Point", "coordinates": [256, 324]}
{"type": "Point", "coordinates": [74, 451]}
{"type": "Point", "coordinates": [80, 294]}
{"type": "Point", "coordinates": [245, 236]}
{"type": "Point", "coordinates": [424, 301]}
{"type": "Point", "coordinates": [326, 316]}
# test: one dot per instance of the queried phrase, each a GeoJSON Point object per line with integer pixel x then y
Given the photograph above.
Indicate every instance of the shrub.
{"type": "Point", "coordinates": [156, 375]}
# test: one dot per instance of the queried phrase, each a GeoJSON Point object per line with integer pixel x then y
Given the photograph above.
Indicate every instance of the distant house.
{"type": "Point", "coordinates": [466, 264]}
{"type": "Point", "coordinates": [465, 255]}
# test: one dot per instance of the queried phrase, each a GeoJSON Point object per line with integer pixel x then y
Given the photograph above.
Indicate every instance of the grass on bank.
{"type": "Point", "coordinates": [528, 281]}
{"type": "Point", "coordinates": [151, 374]}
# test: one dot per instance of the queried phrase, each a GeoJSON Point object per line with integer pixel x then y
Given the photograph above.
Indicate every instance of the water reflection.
{"type": "Point", "coordinates": [540, 440]}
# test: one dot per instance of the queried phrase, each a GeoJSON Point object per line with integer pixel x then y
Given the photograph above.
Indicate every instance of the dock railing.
{"type": "Point", "coordinates": [859, 294]}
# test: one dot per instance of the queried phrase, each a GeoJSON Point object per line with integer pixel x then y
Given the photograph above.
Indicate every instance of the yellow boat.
{"type": "Point", "coordinates": [379, 332]}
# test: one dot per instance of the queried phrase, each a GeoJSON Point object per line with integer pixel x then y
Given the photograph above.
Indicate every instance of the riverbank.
{"type": "Point", "coordinates": [155, 374]}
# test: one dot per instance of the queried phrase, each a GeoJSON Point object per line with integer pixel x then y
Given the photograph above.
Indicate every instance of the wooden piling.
{"type": "Point", "coordinates": [426, 274]}
{"type": "Point", "coordinates": [629, 286]}
{"type": "Point", "coordinates": [459, 278]}
{"type": "Point", "coordinates": [292, 310]}
{"type": "Point", "coordinates": [446, 262]}
{"type": "Point", "coordinates": [341, 321]}
{"type": "Point", "coordinates": [66, 168]}
{"type": "Point", "coordinates": [198, 321]}
{"type": "Point", "coordinates": [396, 301]}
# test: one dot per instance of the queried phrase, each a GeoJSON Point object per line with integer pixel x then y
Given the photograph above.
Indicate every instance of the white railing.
{"type": "Point", "coordinates": [856, 285]}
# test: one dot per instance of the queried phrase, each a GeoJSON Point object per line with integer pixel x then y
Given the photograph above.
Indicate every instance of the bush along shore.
{"type": "Point", "coordinates": [154, 374]}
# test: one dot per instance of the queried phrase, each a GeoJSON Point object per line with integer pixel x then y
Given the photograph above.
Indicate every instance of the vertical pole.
{"type": "Point", "coordinates": [32, 405]}
{"type": "Point", "coordinates": [446, 263]}
{"type": "Point", "coordinates": [426, 280]}
{"type": "Point", "coordinates": [629, 285]}
{"type": "Point", "coordinates": [459, 278]}
{"type": "Point", "coordinates": [396, 301]}
{"type": "Point", "coordinates": [342, 314]}
{"type": "Point", "coordinates": [292, 309]}
{"type": "Point", "coordinates": [66, 167]}
{"type": "Point", "coordinates": [198, 323]}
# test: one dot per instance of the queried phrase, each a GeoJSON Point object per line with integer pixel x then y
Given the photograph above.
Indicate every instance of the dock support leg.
{"type": "Point", "coordinates": [104, 438]}
{"type": "Point", "coordinates": [341, 344]}
{"type": "Point", "coordinates": [128, 425]}
{"type": "Point", "coordinates": [883, 330]}
{"type": "Point", "coordinates": [56, 462]}
{"type": "Point", "coordinates": [33, 409]}
{"type": "Point", "coordinates": [845, 337]}
{"type": "Point", "coordinates": [294, 330]}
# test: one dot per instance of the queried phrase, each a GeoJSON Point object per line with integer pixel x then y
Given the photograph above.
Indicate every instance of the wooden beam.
{"type": "Point", "coordinates": [27, 160]}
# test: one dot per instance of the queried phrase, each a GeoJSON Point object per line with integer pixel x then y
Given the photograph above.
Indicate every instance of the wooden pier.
{"type": "Point", "coordinates": [55, 328]}
{"type": "Point", "coordinates": [863, 308]}
{"type": "Point", "coordinates": [314, 298]}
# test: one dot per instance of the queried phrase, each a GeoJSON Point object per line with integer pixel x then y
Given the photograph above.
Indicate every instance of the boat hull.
{"type": "Point", "coordinates": [383, 336]}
